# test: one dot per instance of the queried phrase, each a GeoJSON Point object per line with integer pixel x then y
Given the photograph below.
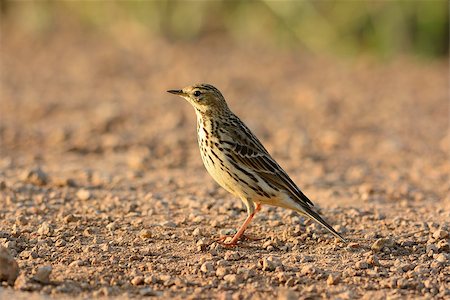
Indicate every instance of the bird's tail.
{"type": "Point", "coordinates": [316, 217]}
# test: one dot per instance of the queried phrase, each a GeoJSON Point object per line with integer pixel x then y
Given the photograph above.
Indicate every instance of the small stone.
{"type": "Point", "coordinates": [431, 248]}
{"type": "Point", "coordinates": [43, 274]}
{"type": "Point", "coordinates": [286, 294]}
{"type": "Point", "coordinates": [9, 269]}
{"type": "Point", "coordinates": [76, 263]}
{"type": "Point", "coordinates": [333, 279]}
{"type": "Point", "coordinates": [138, 280]}
{"type": "Point", "coordinates": [232, 278]}
{"type": "Point", "coordinates": [443, 246]}
{"type": "Point", "coordinates": [168, 224]}
{"type": "Point", "coordinates": [441, 258]}
{"type": "Point", "coordinates": [440, 234]}
{"type": "Point", "coordinates": [308, 269]}
{"type": "Point", "coordinates": [23, 283]}
{"type": "Point", "coordinates": [221, 271]}
{"type": "Point", "coordinates": [60, 243]}
{"type": "Point", "coordinates": [361, 265]}
{"type": "Point", "coordinates": [71, 218]}
{"type": "Point", "coordinates": [10, 245]}
{"type": "Point", "coordinates": [231, 255]}
{"type": "Point", "coordinates": [382, 243]}
{"type": "Point", "coordinates": [207, 267]}
{"type": "Point", "coordinates": [111, 226]}
{"type": "Point", "coordinates": [202, 245]}
{"type": "Point", "coordinates": [198, 219]}
{"type": "Point", "coordinates": [166, 279]}
{"type": "Point", "coordinates": [282, 276]}
{"type": "Point", "coordinates": [346, 295]}
{"type": "Point", "coordinates": [147, 292]}
{"type": "Point", "coordinates": [145, 234]}
{"type": "Point", "coordinates": [227, 231]}
{"type": "Point", "coordinates": [373, 260]}
{"type": "Point", "coordinates": [45, 229]}
{"type": "Point", "coordinates": [353, 246]}
{"type": "Point", "coordinates": [270, 263]}
{"type": "Point", "coordinates": [22, 220]}
{"type": "Point", "coordinates": [267, 265]}
{"type": "Point", "coordinates": [83, 195]}
{"type": "Point", "coordinates": [35, 176]}
{"type": "Point", "coordinates": [151, 279]}
{"type": "Point", "coordinates": [290, 282]}
{"type": "Point", "coordinates": [197, 232]}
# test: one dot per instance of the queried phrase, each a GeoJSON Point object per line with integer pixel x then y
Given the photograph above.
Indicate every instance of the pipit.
{"type": "Point", "coordinates": [237, 160]}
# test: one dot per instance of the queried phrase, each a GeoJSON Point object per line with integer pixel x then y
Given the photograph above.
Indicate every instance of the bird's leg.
{"type": "Point", "coordinates": [252, 210]}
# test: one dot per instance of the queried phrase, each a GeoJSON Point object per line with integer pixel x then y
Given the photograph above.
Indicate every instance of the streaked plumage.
{"type": "Point", "coordinates": [237, 160]}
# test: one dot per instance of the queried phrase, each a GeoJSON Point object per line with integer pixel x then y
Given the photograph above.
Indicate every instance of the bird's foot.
{"type": "Point", "coordinates": [222, 240]}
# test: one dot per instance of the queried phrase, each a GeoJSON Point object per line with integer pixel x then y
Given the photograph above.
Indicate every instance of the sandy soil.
{"type": "Point", "coordinates": [103, 192]}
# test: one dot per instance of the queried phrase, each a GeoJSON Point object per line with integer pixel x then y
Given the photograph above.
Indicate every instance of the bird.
{"type": "Point", "coordinates": [237, 160]}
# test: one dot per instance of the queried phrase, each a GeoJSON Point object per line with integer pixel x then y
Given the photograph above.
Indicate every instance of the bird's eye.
{"type": "Point", "coordinates": [197, 93]}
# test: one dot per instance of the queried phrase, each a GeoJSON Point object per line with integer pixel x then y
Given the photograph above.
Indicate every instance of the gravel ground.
{"type": "Point", "coordinates": [104, 194]}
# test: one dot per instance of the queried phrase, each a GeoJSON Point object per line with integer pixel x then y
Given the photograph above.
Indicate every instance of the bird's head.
{"type": "Point", "coordinates": [205, 98]}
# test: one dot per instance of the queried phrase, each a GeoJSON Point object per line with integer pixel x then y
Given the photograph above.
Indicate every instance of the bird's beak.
{"type": "Point", "coordinates": [177, 92]}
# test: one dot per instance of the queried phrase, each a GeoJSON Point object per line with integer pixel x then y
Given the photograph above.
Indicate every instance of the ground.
{"type": "Point", "coordinates": [104, 194]}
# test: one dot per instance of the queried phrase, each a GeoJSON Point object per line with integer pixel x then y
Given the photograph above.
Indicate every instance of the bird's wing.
{"type": "Point", "coordinates": [248, 150]}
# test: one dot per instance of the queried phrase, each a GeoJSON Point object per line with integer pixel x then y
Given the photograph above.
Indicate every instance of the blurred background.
{"type": "Point", "coordinates": [380, 28]}
{"type": "Point", "coordinates": [334, 88]}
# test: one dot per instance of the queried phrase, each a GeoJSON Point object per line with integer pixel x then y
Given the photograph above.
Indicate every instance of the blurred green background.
{"type": "Point", "coordinates": [382, 29]}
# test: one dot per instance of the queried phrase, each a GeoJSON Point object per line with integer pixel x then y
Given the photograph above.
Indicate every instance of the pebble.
{"type": "Point", "coordinates": [145, 234]}
{"type": "Point", "coordinates": [138, 280]}
{"type": "Point", "coordinates": [83, 194]}
{"type": "Point", "coordinates": [431, 248]}
{"type": "Point", "coordinates": [35, 176]}
{"type": "Point", "coordinates": [22, 220]}
{"type": "Point", "coordinates": [207, 267]}
{"type": "Point", "coordinates": [9, 269]}
{"type": "Point", "coordinates": [440, 234]}
{"type": "Point", "coordinates": [353, 246]}
{"type": "Point", "coordinates": [198, 219]}
{"type": "Point", "coordinates": [23, 283]}
{"type": "Point", "coordinates": [382, 243]}
{"type": "Point", "coordinates": [232, 278]}
{"type": "Point", "coordinates": [111, 226]}
{"type": "Point", "coordinates": [227, 231]}
{"type": "Point", "coordinates": [270, 263]}
{"type": "Point", "coordinates": [282, 276]}
{"type": "Point", "coordinates": [45, 229]}
{"type": "Point", "coordinates": [361, 265]}
{"type": "Point", "coordinates": [202, 245]}
{"type": "Point", "coordinates": [197, 232]}
{"type": "Point", "coordinates": [231, 255]}
{"type": "Point", "coordinates": [308, 269]}
{"type": "Point", "coordinates": [443, 246]}
{"type": "Point", "coordinates": [333, 279]}
{"type": "Point", "coordinates": [441, 258]}
{"type": "Point", "coordinates": [290, 282]}
{"type": "Point", "coordinates": [146, 292]}
{"type": "Point", "coordinates": [166, 279]}
{"type": "Point", "coordinates": [286, 294]}
{"type": "Point", "coordinates": [221, 271]}
{"type": "Point", "coordinates": [76, 263]}
{"type": "Point", "coordinates": [168, 224]}
{"type": "Point", "coordinates": [71, 218]}
{"type": "Point", "coordinates": [373, 260]}
{"type": "Point", "coordinates": [43, 274]}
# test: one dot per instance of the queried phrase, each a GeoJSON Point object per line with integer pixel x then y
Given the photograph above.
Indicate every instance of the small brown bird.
{"type": "Point", "coordinates": [238, 161]}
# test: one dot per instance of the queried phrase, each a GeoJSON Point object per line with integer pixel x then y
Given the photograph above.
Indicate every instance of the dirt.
{"type": "Point", "coordinates": [103, 191]}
